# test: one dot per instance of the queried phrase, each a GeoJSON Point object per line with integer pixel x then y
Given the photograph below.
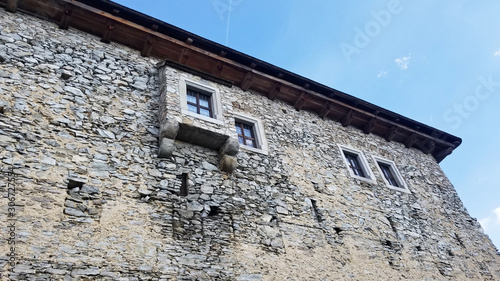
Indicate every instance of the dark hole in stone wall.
{"type": "Point", "coordinates": [316, 212]}
{"type": "Point", "coordinates": [337, 230]}
{"type": "Point", "coordinates": [73, 183]}
{"type": "Point", "coordinates": [1, 110]}
{"type": "Point", "coordinates": [393, 226]}
{"type": "Point", "coordinates": [214, 211]}
{"type": "Point", "coordinates": [459, 240]}
{"type": "Point", "coordinates": [184, 190]}
{"type": "Point", "coordinates": [387, 244]}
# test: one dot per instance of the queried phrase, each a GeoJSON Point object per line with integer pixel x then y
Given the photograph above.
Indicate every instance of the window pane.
{"type": "Point", "coordinates": [204, 101]}
{"type": "Point", "coordinates": [247, 131]}
{"type": "Point", "coordinates": [191, 97]}
{"type": "Point", "coordinates": [238, 129]}
{"type": "Point", "coordinates": [250, 143]}
{"type": "Point", "coordinates": [241, 140]}
{"type": "Point", "coordinates": [204, 112]}
{"type": "Point", "coordinates": [354, 164]}
{"type": "Point", "coordinates": [192, 108]}
{"type": "Point", "coordinates": [389, 176]}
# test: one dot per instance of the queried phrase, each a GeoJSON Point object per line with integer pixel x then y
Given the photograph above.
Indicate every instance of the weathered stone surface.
{"type": "Point", "coordinates": [166, 148]}
{"type": "Point", "coordinates": [90, 189]}
{"type": "Point", "coordinates": [169, 129]}
{"type": "Point", "coordinates": [231, 147]}
{"type": "Point", "coordinates": [228, 163]}
{"type": "Point", "coordinates": [74, 212]}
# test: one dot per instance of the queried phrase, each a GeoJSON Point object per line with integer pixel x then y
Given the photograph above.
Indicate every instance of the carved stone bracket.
{"type": "Point", "coordinates": [168, 133]}
{"type": "Point", "coordinates": [227, 154]}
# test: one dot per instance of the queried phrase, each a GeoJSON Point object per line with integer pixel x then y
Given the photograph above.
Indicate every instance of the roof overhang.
{"type": "Point", "coordinates": [181, 49]}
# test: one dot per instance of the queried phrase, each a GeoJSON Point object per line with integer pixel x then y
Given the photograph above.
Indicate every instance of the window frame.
{"type": "Point", "coordinates": [395, 173]}
{"type": "Point", "coordinates": [212, 92]}
{"type": "Point", "coordinates": [260, 140]}
{"type": "Point", "coordinates": [198, 105]}
{"type": "Point", "coordinates": [369, 177]}
{"type": "Point", "coordinates": [239, 124]}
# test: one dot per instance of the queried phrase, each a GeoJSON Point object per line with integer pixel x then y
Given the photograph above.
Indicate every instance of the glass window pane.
{"type": "Point", "coordinates": [241, 140]}
{"type": "Point", "coordinates": [192, 108]}
{"type": "Point", "coordinates": [248, 132]}
{"type": "Point", "coordinates": [191, 99]}
{"type": "Point", "coordinates": [204, 100]}
{"type": "Point", "coordinates": [204, 112]}
{"type": "Point", "coordinates": [250, 143]}
{"type": "Point", "coordinates": [238, 129]}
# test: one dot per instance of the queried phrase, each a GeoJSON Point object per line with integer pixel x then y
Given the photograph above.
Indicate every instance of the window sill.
{"type": "Point", "coordinates": [253, 149]}
{"type": "Point", "coordinates": [201, 117]}
{"type": "Point", "coordinates": [404, 190]}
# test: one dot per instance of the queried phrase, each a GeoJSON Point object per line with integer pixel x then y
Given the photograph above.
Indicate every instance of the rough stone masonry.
{"type": "Point", "coordinates": [79, 126]}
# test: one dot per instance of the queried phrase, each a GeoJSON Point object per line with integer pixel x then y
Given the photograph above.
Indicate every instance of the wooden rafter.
{"type": "Point", "coordinates": [219, 66]}
{"type": "Point", "coordinates": [148, 45]}
{"type": "Point", "coordinates": [327, 107]}
{"type": "Point", "coordinates": [439, 156]}
{"type": "Point", "coordinates": [149, 42]}
{"type": "Point", "coordinates": [392, 133]}
{"type": "Point", "coordinates": [301, 101]}
{"type": "Point", "coordinates": [12, 5]}
{"type": "Point", "coordinates": [369, 126]}
{"type": "Point", "coordinates": [66, 18]}
{"type": "Point", "coordinates": [411, 140]}
{"type": "Point", "coordinates": [275, 91]}
{"type": "Point", "coordinates": [346, 121]}
{"type": "Point", "coordinates": [429, 146]}
{"type": "Point", "coordinates": [184, 56]}
{"type": "Point", "coordinates": [247, 81]}
{"type": "Point", "coordinates": [106, 35]}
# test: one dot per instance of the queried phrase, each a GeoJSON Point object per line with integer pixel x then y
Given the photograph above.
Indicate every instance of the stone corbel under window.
{"type": "Point", "coordinates": [171, 130]}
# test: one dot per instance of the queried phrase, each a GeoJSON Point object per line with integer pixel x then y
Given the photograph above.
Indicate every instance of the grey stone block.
{"type": "Point", "coordinates": [231, 147]}
{"type": "Point", "coordinates": [166, 149]}
{"type": "Point", "coordinates": [169, 129]}
{"type": "Point", "coordinates": [228, 163]}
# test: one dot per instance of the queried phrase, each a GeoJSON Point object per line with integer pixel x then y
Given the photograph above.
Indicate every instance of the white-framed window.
{"type": "Point", "coordinates": [250, 133]}
{"type": "Point", "coordinates": [200, 101]}
{"type": "Point", "coordinates": [390, 174]}
{"type": "Point", "coordinates": [356, 164]}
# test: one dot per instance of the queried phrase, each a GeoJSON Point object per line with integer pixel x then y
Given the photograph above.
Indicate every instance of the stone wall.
{"type": "Point", "coordinates": [79, 127]}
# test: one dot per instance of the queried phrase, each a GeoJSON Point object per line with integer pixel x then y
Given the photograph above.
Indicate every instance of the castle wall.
{"type": "Point", "coordinates": [93, 200]}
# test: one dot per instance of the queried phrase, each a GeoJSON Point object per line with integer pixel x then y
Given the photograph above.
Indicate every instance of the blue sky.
{"type": "Point", "coordinates": [437, 62]}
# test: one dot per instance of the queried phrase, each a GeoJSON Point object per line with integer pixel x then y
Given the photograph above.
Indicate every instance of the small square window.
{"type": "Point", "coordinates": [246, 135]}
{"type": "Point", "coordinates": [250, 133]}
{"type": "Point", "coordinates": [390, 174]}
{"type": "Point", "coordinates": [200, 101]}
{"type": "Point", "coordinates": [356, 164]}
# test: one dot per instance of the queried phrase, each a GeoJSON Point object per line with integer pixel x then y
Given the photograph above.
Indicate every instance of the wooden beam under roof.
{"type": "Point", "coordinates": [12, 5]}
{"type": "Point", "coordinates": [346, 121]}
{"type": "Point", "coordinates": [369, 126]}
{"type": "Point", "coordinates": [301, 101]}
{"type": "Point", "coordinates": [66, 18]}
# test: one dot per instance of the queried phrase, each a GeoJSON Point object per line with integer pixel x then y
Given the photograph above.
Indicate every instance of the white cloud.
{"type": "Point", "coordinates": [497, 213]}
{"type": "Point", "coordinates": [497, 53]}
{"type": "Point", "coordinates": [382, 74]}
{"type": "Point", "coordinates": [491, 226]}
{"type": "Point", "coordinates": [485, 222]}
{"type": "Point", "coordinates": [403, 62]}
